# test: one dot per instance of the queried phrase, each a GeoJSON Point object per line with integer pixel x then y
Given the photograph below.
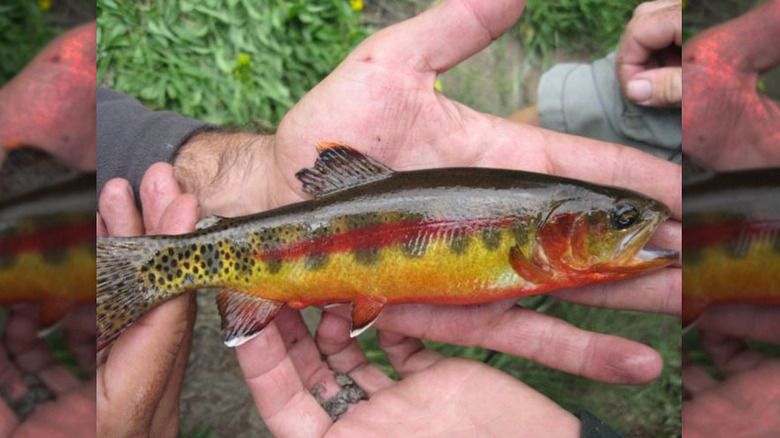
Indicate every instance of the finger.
{"type": "Point", "coordinates": [166, 416]}
{"type": "Point", "coordinates": [743, 321]}
{"type": "Point", "coordinates": [658, 292]}
{"type": "Point", "coordinates": [730, 355]}
{"type": "Point", "coordinates": [655, 26]}
{"type": "Point", "coordinates": [101, 226]}
{"type": "Point", "coordinates": [79, 326]}
{"type": "Point", "coordinates": [159, 338]}
{"type": "Point", "coordinates": [442, 36]}
{"type": "Point", "coordinates": [695, 379]}
{"type": "Point", "coordinates": [345, 355]}
{"type": "Point", "coordinates": [158, 190]}
{"type": "Point", "coordinates": [306, 357]}
{"type": "Point", "coordinates": [407, 355]}
{"type": "Point", "coordinates": [660, 87]}
{"type": "Point", "coordinates": [285, 405]}
{"type": "Point", "coordinates": [12, 387]}
{"type": "Point", "coordinates": [118, 211]}
{"type": "Point", "coordinates": [522, 332]}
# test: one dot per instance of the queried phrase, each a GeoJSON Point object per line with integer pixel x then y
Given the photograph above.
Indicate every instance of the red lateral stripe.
{"type": "Point", "coordinates": [376, 236]}
{"type": "Point", "coordinates": [56, 237]}
{"type": "Point", "coordinates": [709, 234]}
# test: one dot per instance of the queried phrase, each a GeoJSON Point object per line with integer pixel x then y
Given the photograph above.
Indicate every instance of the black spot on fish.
{"type": "Point", "coordinates": [522, 232]}
{"type": "Point", "coordinates": [776, 241]}
{"type": "Point", "coordinates": [367, 256]}
{"type": "Point", "coordinates": [459, 242]}
{"type": "Point", "coordinates": [55, 256]}
{"type": "Point", "coordinates": [491, 238]}
{"type": "Point", "coordinates": [274, 265]}
{"type": "Point", "coordinates": [313, 262]}
{"type": "Point", "coordinates": [358, 221]}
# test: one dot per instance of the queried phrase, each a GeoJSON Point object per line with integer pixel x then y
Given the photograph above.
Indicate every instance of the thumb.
{"type": "Point", "coordinates": [661, 87]}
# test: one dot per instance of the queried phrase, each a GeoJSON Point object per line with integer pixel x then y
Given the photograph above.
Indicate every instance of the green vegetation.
{"type": "Point", "coordinates": [592, 27]}
{"type": "Point", "coordinates": [23, 31]}
{"type": "Point", "coordinates": [234, 62]}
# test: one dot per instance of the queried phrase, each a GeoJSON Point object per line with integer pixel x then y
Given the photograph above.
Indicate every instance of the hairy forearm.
{"type": "Point", "coordinates": [225, 171]}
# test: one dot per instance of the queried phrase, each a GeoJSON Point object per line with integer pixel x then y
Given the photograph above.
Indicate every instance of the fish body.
{"type": "Point", "coordinates": [375, 237]}
{"type": "Point", "coordinates": [47, 233]}
{"type": "Point", "coordinates": [731, 239]}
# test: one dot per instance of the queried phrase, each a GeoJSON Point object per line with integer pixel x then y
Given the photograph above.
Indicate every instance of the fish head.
{"type": "Point", "coordinates": [603, 235]}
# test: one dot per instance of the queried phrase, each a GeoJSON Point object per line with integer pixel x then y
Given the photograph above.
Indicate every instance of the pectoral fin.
{"type": "Point", "coordinates": [364, 312]}
{"type": "Point", "coordinates": [244, 316]}
{"type": "Point", "coordinates": [527, 268]}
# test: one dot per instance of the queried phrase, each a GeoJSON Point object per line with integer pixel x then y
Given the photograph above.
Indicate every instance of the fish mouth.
{"type": "Point", "coordinates": [634, 256]}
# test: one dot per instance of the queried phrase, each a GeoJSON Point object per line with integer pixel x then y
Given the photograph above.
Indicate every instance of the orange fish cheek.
{"type": "Point", "coordinates": [555, 239]}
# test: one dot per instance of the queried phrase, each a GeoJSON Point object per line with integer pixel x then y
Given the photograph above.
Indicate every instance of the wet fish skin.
{"type": "Point", "coordinates": [373, 237]}
{"type": "Point", "coordinates": [731, 238]}
{"type": "Point", "coordinates": [47, 233]}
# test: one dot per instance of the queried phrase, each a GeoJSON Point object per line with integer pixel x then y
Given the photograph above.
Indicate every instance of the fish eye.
{"type": "Point", "coordinates": [623, 216]}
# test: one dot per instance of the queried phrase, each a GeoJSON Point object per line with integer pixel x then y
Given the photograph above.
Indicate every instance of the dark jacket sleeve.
{"type": "Point", "coordinates": [130, 137]}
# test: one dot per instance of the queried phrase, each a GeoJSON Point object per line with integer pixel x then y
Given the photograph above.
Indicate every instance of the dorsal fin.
{"type": "Point", "coordinates": [340, 167]}
{"type": "Point", "coordinates": [695, 170]}
{"type": "Point", "coordinates": [26, 170]}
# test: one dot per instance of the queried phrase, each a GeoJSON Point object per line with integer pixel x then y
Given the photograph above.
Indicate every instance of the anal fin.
{"type": "Point", "coordinates": [365, 312]}
{"type": "Point", "coordinates": [244, 315]}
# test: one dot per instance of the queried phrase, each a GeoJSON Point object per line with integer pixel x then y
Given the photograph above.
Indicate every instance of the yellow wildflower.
{"type": "Point", "coordinates": [357, 5]}
{"type": "Point", "coordinates": [44, 5]}
{"type": "Point", "coordinates": [437, 85]}
{"type": "Point", "coordinates": [244, 59]}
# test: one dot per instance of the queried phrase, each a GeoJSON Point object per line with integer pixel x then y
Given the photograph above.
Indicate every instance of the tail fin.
{"type": "Point", "coordinates": [126, 287]}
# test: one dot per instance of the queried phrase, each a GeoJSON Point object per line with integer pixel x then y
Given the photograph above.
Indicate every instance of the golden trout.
{"type": "Point", "coordinates": [47, 233]}
{"type": "Point", "coordinates": [731, 237]}
{"type": "Point", "coordinates": [372, 236]}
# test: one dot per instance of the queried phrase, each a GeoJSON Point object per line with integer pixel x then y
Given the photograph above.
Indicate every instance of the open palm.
{"type": "Point", "coordinates": [381, 100]}
{"type": "Point", "coordinates": [727, 122]}
{"type": "Point", "coordinates": [436, 397]}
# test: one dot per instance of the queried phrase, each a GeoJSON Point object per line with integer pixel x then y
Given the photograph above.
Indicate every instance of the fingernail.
{"type": "Point", "coordinates": [639, 90]}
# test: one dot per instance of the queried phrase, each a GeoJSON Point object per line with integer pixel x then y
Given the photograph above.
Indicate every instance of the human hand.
{"type": "Point", "coordinates": [51, 103]}
{"type": "Point", "coordinates": [648, 58]}
{"type": "Point", "coordinates": [381, 99]}
{"type": "Point", "coordinates": [727, 122]}
{"type": "Point", "coordinates": [746, 402]}
{"type": "Point", "coordinates": [39, 397]}
{"type": "Point", "coordinates": [436, 397]}
{"type": "Point", "coordinates": [144, 368]}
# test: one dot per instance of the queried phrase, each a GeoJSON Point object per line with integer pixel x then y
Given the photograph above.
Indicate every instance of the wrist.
{"type": "Point", "coordinates": [227, 172]}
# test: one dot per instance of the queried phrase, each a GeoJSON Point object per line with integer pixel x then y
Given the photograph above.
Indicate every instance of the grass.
{"type": "Point", "coordinates": [236, 63]}
{"type": "Point", "coordinates": [23, 32]}
{"type": "Point", "coordinates": [229, 62]}
{"type": "Point", "coordinates": [593, 27]}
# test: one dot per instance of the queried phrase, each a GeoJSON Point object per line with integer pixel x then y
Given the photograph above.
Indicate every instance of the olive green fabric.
{"type": "Point", "coordinates": [586, 100]}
